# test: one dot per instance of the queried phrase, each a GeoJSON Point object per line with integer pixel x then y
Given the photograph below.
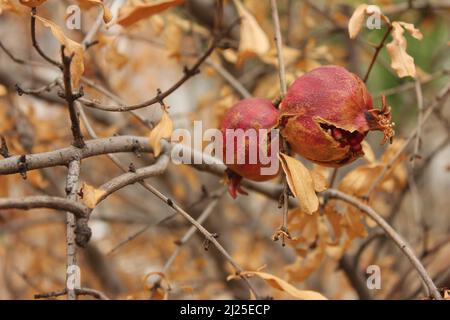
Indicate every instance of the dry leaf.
{"type": "Point", "coordinates": [252, 39]}
{"type": "Point", "coordinates": [413, 31]}
{"type": "Point", "coordinates": [129, 15]}
{"type": "Point", "coordinates": [300, 182]}
{"type": "Point", "coordinates": [320, 182]}
{"type": "Point", "coordinates": [32, 3]}
{"type": "Point", "coordinates": [357, 20]}
{"type": "Point", "coordinates": [3, 90]}
{"type": "Point", "coordinates": [401, 61]}
{"type": "Point", "coordinates": [282, 285]}
{"type": "Point", "coordinates": [369, 155]}
{"type": "Point", "coordinates": [163, 130]}
{"type": "Point", "coordinates": [72, 47]}
{"type": "Point", "coordinates": [91, 195]}
{"type": "Point", "coordinates": [107, 16]}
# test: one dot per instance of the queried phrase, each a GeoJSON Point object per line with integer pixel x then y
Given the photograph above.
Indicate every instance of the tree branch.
{"type": "Point", "coordinates": [36, 44]}
{"type": "Point", "coordinates": [391, 233]}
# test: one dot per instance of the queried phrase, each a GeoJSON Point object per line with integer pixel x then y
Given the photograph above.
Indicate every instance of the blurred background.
{"type": "Point", "coordinates": [132, 240]}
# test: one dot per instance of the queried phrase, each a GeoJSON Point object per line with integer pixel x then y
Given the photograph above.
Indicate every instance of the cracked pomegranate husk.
{"type": "Point", "coordinates": [327, 113]}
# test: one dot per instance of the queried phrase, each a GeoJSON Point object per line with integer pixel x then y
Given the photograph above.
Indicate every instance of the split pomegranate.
{"type": "Point", "coordinates": [242, 141]}
{"type": "Point", "coordinates": [327, 113]}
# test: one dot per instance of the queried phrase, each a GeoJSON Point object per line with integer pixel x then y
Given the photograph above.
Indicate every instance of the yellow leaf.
{"type": "Point", "coordinates": [32, 3]}
{"type": "Point", "coordinates": [401, 61]}
{"type": "Point", "coordinates": [3, 90]}
{"type": "Point", "coordinates": [91, 195]}
{"type": "Point", "coordinates": [107, 16]}
{"type": "Point", "coordinates": [320, 182]}
{"type": "Point", "coordinates": [129, 15]}
{"type": "Point", "coordinates": [413, 31]}
{"type": "Point", "coordinates": [252, 38]}
{"type": "Point", "coordinates": [282, 285]}
{"type": "Point", "coordinates": [71, 47]}
{"type": "Point", "coordinates": [369, 155]}
{"type": "Point", "coordinates": [163, 130]}
{"type": "Point", "coordinates": [357, 20]}
{"type": "Point", "coordinates": [300, 182]}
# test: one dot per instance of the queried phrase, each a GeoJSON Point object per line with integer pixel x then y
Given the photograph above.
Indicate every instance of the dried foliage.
{"type": "Point", "coordinates": [86, 120]}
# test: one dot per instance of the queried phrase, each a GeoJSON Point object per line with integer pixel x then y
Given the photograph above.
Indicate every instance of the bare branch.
{"type": "Point", "coordinates": [279, 44]}
{"type": "Point", "coordinates": [35, 202]}
{"type": "Point", "coordinates": [36, 44]}
{"type": "Point", "coordinates": [73, 176]}
{"type": "Point", "coordinates": [71, 98]}
{"type": "Point", "coordinates": [391, 233]}
{"type": "Point", "coordinates": [63, 156]}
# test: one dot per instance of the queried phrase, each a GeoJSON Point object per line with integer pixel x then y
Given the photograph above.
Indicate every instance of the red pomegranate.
{"type": "Point", "coordinates": [327, 113]}
{"type": "Point", "coordinates": [248, 116]}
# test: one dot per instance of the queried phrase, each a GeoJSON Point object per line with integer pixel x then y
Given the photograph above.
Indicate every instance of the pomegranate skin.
{"type": "Point", "coordinates": [251, 113]}
{"type": "Point", "coordinates": [326, 114]}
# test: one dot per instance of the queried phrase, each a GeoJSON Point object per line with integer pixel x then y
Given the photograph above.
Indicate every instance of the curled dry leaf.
{"type": "Point", "coordinates": [163, 130]}
{"type": "Point", "coordinates": [91, 195]}
{"type": "Point", "coordinates": [282, 285]}
{"type": "Point", "coordinates": [357, 20]}
{"type": "Point", "coordinates": [253, 40]}
{"type": "Point", "coordinates": [401, 61]}
{"type": "Point", "coordinates": [130, 14]}
{"type": "Point", "coordinates": [71, 47]}
{"type": "Point", "coordinates": [300, 182]}
{"type": "Point", "coordinates": [107, 16]}
{"type": "Point", "coordinates": [32, 3]}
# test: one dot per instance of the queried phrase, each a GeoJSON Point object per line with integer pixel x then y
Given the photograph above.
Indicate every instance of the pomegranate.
{"type": "Point", "coordinates": [243, 139]}
{"type": "Point", "coordinates": [327, 113]}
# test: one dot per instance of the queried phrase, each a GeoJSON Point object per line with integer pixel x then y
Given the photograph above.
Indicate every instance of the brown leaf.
{"type": "Point", "coordinates": [129, 15]}
{"type": "Point", "coordinates": [3, 90]}
{"type": "Point", "coordinates": [320, 182]}
{"type": "Point", "coordinates": [413, 31]}
{"type": "Point", "coordinates": [163, 130]}
{"type": "Point", "coordinates": [401, 61]}
{"type": "Point", "coordinates": [91, 195]}
{"type": "Point", "coordinates": [107, 16]}
{"type": "Point", "coordinates": [369, 155]}
{"type": "Point", "coordinates": [300, 182]}
{"type": "Point", "coordinates": [253, 39]}
{"type": "Point", "coordinates": [357, 20]}
{"type": "Point", "coordinates": [32, 3]}
{"type": "Point", "coordinates": [282, 285]}
{"type": "Point", "coordinates": [71, 47]}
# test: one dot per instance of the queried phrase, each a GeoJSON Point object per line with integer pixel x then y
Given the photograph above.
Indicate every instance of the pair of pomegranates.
{"type": "Point", "coordinates": [324, 117]}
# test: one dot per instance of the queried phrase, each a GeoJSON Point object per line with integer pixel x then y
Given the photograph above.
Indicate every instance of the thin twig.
{"type": "Point", "coordinates": [188, 73]}
{"type": "Point", "coordinates": [391, 233]}
{"type": "Point", "coordinates": [279, 45]}
{"type": "Point", "coordinates": [232, 81]}
{"type": "Point", "coordinates": [377, 52]}
{"type": "Point", "coordinates": [187, 236]}
{"type": "Point", "coordinates": [36, 44]}
{"type": "Point", "coordinates": [419, 96]}
{"type": "Point", "coordinates": [284, 232]}
{"type": "Point", "coordinates": [71, 98]}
